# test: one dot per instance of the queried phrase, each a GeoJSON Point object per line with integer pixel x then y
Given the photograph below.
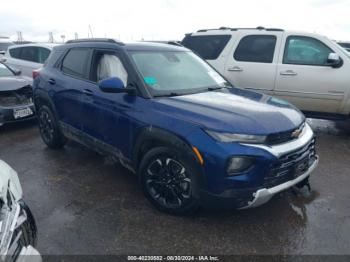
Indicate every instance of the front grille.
{"type": "Point", "coordinates": [17, 97]}
{"type": "Point", "coordinates": [291, 165]}
{"type": "Point", "coordinates": [283, 137]}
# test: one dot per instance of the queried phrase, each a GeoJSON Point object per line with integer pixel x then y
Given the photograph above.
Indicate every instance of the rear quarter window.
{"type": "Point", "coordinates": [208, 47]}
{"type": "Point", "coordinates": [43, 54]}
{"type": "Point", "coordinates": [15, 52]}
{"type": "Point", "coordinates": [256, 48]}
{"type": "Point", "coordinates": [53, 58]}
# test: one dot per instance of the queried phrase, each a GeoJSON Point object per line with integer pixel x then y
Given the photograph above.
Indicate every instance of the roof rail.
{"type": "Point", "coordinates": [87, 40]}
{"type": "Point", "coordinates": [176, 43]}
{"type": "Point", "coordinates": [236, 29]}
{"type": "Point", "coordinates": [171, 42]}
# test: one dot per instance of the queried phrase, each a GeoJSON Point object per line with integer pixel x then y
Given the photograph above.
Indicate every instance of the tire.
{"type": "Point", "coordinates": [49, 128]}
{"type": "Point", "coordinates": [169, 181]}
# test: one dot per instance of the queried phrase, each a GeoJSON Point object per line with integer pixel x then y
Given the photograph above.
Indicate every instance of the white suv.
{"type": "Point", "coordinates": [27, 57]}
{"type": "Point", "coordinates": [308, 70]}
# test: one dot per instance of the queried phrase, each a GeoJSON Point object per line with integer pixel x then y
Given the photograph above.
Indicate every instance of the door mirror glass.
{"type": "Point", "coordinates": [334, 60]}
{"type": "Point", "coordinates": [112, 85]}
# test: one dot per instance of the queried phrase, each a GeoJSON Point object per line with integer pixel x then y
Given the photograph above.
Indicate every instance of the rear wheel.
{"type": "Point", "coordinates": [49, 129]}
{"type": "Point", "coordinates": [169, 181]}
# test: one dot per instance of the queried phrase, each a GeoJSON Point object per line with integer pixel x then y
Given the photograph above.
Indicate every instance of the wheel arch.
{"type": "Point", "coordinates": [42, 98]}
{"type": "Point", "coordinates": [151, 137]}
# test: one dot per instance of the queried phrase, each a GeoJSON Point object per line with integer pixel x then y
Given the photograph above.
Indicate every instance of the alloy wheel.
{"type": "Point", "coordinates": [168, 182]}
{"type": "Point", "coordinates": [46, 126]}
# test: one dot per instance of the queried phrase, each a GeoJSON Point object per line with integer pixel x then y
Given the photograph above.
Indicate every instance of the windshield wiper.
{"type": "Point", "coordinates": [214, 88]}
{"type": "Point", "coordinates": [168, 95]}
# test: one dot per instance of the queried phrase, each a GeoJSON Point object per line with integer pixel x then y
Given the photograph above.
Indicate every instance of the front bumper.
{"type": "Point", "coordinates": [283, 166]}
{"type": "Point", "coordinates": [7, 114]}
{"type": "Point", "coordinates": [263, 195]}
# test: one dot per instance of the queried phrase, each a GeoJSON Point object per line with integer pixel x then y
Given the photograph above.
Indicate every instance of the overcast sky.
{"type": "Point", "coordinates": [168, 19]}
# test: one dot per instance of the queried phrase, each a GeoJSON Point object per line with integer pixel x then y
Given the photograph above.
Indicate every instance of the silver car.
{"type": "Point", "coordinates": [17, 225]}
{"type": "Point", "coordinates": [27, 57]}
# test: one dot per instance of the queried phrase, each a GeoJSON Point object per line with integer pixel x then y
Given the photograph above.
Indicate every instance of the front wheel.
{"type": "Point", "coordinates": [49, 129]}
{"type": "Point", "coordinates": [169, 182]}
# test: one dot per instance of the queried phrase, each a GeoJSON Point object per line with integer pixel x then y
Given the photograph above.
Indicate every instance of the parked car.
{"type": "Point", "coordinates": [27, 57]}
{"type": "Point", "coordinates": [5, 42]}
{"type": "Point", "coordinates": [308, 70]}
{"type": "Point", "coordinates": [16, 96]}
{"type": "Point", "coordinates": [17, 224]}
{"type": "Point", "coordinates": [165, 114]}
{"type": "Point", "coordinates": [345, 45]}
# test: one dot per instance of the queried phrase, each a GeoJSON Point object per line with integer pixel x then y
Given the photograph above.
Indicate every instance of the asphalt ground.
{"type": "Point", "coordinates": [85, 204]}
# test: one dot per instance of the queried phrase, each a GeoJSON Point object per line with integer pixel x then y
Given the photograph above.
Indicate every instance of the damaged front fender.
{"type": "Point", "coordinates": [17, 225]}
{"type": "Point", "coordinates": [9, 182]}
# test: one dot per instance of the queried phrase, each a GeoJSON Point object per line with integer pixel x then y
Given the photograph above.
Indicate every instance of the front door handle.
{"type": "Point", "coordinates": [88, 92]}
{"type": "Point", "coordinates": [235, 69]}
{"type": "Point", "coordinates": [52, 81]}
{"type": "Point", "coordinates": [288, 73]}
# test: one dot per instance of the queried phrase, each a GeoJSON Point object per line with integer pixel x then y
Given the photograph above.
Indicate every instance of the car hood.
{"type": "Point", "coordinates": [14, 82]}
{"type": "Point", "coordinates": [234, 110]}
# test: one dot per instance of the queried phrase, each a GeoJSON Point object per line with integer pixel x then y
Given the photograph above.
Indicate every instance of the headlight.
{"type": "Point", "coordinates": [241, 138]}
{"type": "Point", "coordinates": [237, 165]}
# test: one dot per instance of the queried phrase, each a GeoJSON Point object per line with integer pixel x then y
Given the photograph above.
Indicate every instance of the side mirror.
{"type": "Point", "coordinates": [112, 85]}
{"type": "Point", "coordinates": [334, 60]}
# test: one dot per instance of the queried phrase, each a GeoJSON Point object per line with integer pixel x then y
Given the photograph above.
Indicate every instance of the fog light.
{"type": "Point", "coordinates": [237, 165]}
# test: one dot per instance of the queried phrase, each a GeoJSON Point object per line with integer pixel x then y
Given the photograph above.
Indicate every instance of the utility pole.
{"type": "Point", "coordinates": [63, 37]}
{"type": "Point", "coordinates": [90, 30]}
{"type": "Point", "coordinates": [19, 37]}
{"type": "Point", "coordinates": [76, 37]}
{"type": "Point", "coordinates": [51, 39]}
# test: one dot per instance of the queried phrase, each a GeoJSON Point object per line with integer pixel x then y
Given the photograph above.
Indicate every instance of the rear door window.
{"type": "Point", "coordinates": [76, 62]}
{"type": "Point", "coordinates": [29, 53]}
{"type": "Point", "coordinates": [256, 48]}
{"type": "Point", "coordinates": [208, 47]}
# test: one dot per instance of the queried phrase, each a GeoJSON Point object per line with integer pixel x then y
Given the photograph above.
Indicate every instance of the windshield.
{"type": "Point", "coordinates": [176, 73]}
{"type": "Point", "coordinates": [4, 71]}
{"type": "Point", "coordinates": [345, 51]}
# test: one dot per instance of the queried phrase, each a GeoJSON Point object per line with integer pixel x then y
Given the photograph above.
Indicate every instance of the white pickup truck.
{"type": "Point", "coordinates": [308, 70]}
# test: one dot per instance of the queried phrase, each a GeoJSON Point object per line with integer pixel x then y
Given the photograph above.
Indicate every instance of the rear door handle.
{"type": "Point", "coordinates": [235, 69]}
{"type": "Point", "coordinates": [88, 92]}
{"type": "Point", "coordinates": [288, 73]}
{"type": "Point", "coordinates": [52, 81]}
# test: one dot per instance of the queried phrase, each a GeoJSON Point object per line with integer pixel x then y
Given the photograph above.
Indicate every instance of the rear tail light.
{"type": "Point", "coordinates": [35, 73]}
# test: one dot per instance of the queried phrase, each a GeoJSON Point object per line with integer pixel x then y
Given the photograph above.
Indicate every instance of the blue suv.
{"type": "Point", "coordinates": [169, 117]}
